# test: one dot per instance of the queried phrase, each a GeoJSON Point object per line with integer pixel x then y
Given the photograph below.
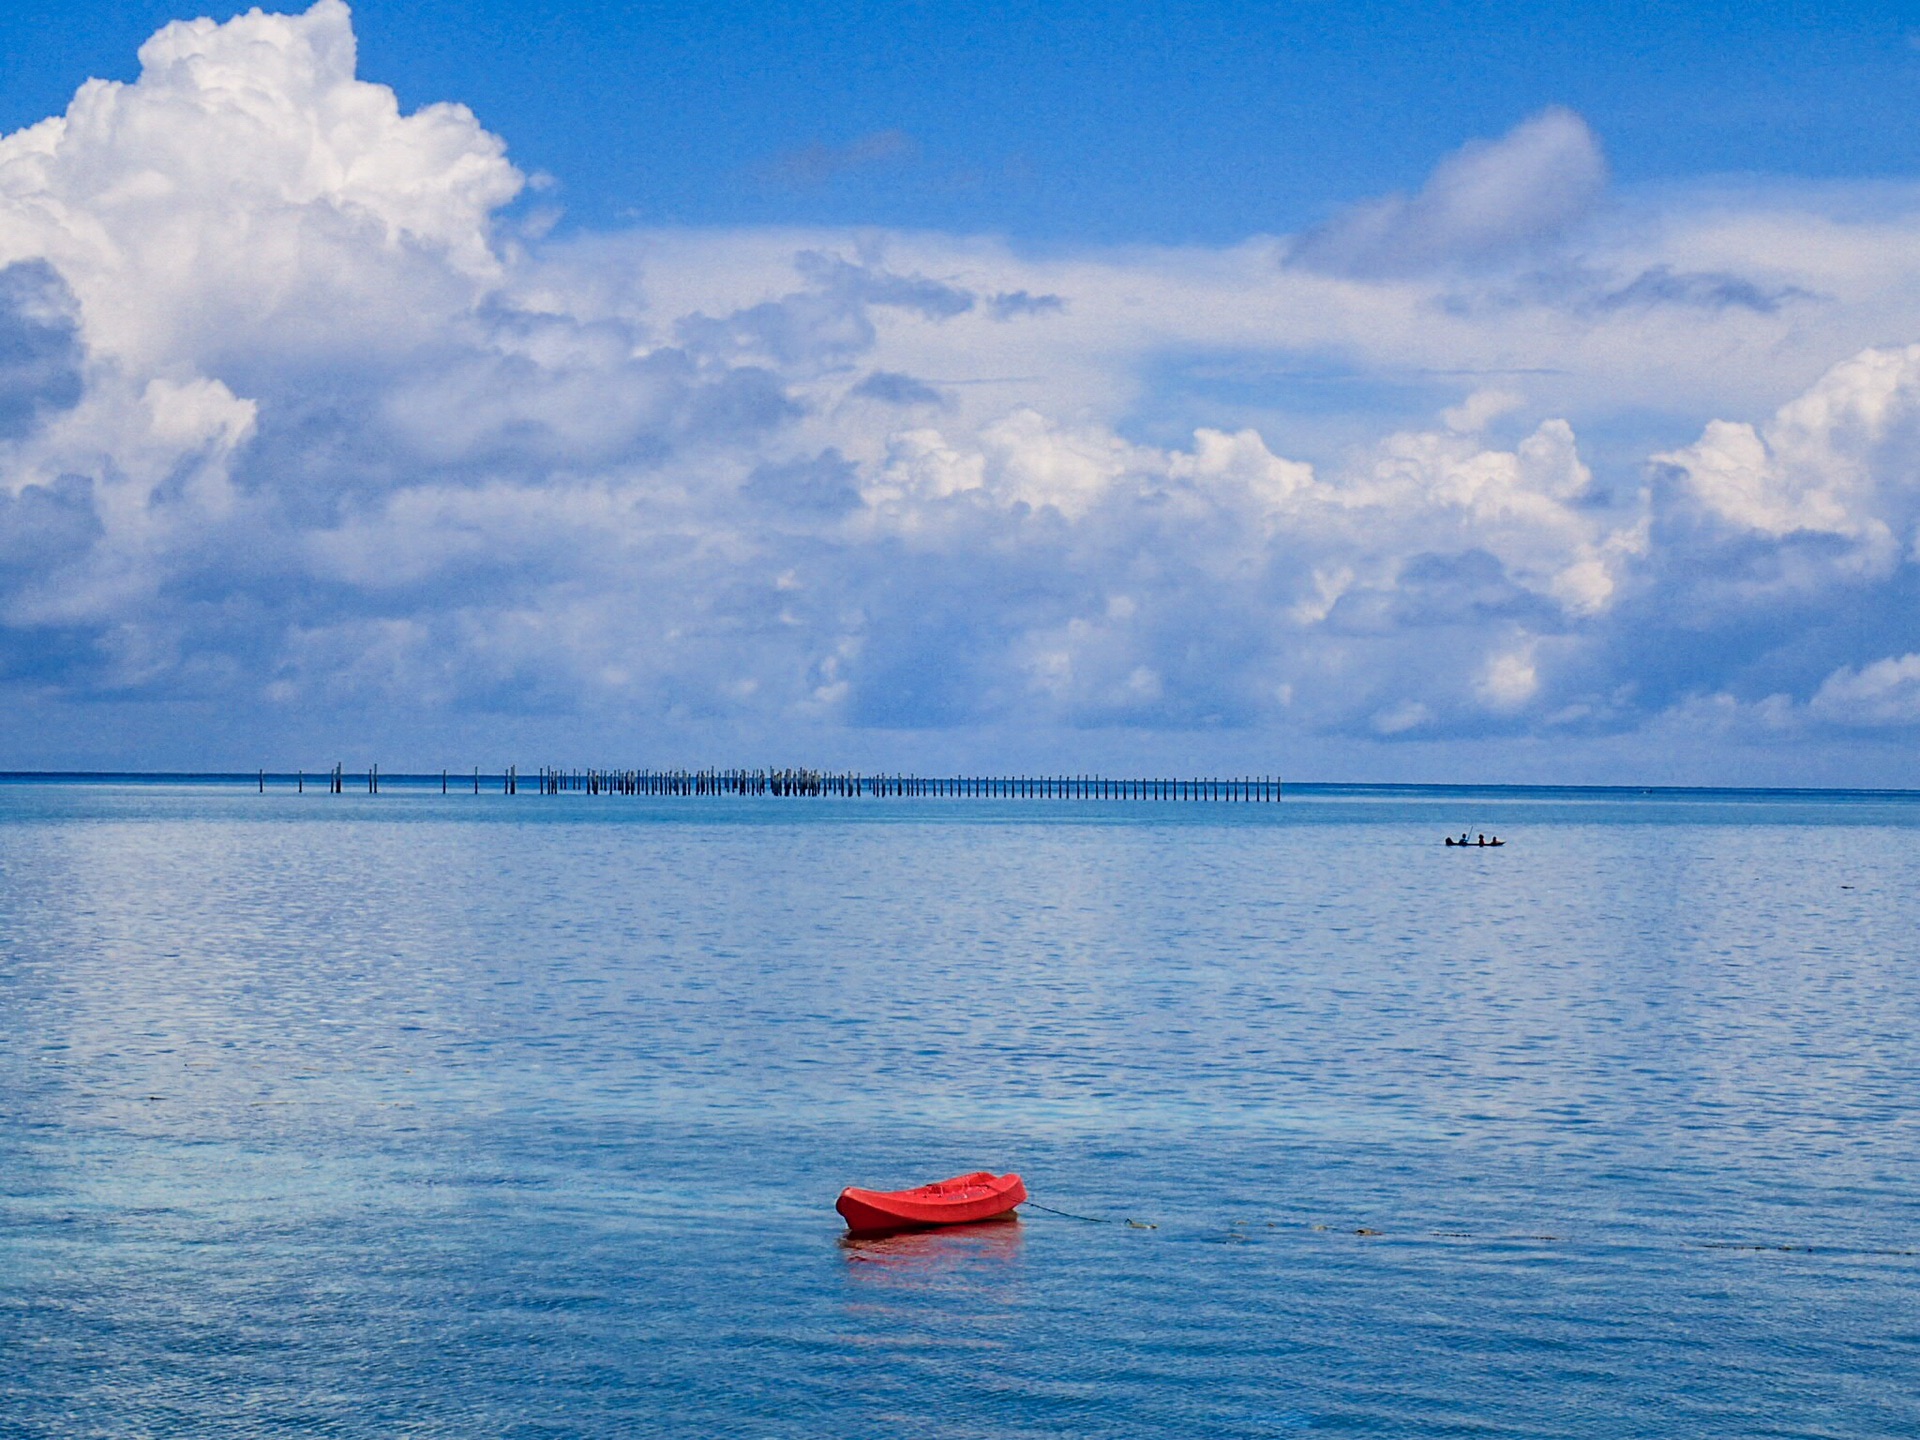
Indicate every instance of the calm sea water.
{"type": "Point", "coordinates": [411, 1116]}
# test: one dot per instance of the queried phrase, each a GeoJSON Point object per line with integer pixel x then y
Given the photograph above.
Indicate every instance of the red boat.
{"type": "Point", "coordinates": [959, 1201]}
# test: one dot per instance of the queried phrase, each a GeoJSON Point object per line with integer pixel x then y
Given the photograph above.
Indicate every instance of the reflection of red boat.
{"type": "Point", "coordinates": [959, 1201]}
{"type": "Point", "coordinates": [929, 1253]}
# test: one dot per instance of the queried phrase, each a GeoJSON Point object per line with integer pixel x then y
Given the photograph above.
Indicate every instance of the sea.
{"type": "Point", "coordinates": [410, 1115]}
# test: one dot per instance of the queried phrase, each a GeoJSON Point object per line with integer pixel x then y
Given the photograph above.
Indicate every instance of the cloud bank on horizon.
{"type": "Point", "coordinates": [303, 414]}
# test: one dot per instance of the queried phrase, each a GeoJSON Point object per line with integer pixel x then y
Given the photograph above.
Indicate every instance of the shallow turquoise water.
{"type": "Point", "coordinates": [397, 1116]}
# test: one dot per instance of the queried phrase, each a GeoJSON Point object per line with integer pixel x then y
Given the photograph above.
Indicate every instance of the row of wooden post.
{"type": "Point", "coordinates": [336, 781]}
{"type": "Point", "coordinates": [846, 785]}
{"type": "Point", "coordinates": [851, 784]}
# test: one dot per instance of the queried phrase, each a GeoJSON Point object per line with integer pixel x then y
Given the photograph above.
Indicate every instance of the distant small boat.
{"type": "Point", "coordinates": [959, 1201]}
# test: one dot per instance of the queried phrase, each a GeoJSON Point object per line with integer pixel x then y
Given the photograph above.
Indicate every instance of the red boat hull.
{"type": "Point", "coordinates": [960, 1201]}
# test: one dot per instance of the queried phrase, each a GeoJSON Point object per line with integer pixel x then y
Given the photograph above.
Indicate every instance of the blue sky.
{"type": "Point", "coordinates": [1342, 391]}
{"type": "Point", "coordinates": [1073, 122]}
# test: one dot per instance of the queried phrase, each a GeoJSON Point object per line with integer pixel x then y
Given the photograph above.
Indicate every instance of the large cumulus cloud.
{"type": "Point", "coordinates": [300, 415]}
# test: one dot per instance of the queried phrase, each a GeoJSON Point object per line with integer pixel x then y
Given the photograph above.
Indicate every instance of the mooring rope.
{"type": "Point", "coordinates": [1090, 1219]}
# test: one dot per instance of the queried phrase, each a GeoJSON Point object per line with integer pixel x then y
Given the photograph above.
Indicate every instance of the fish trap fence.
{"type": "Point", "coordinates": [835, 784]}
{"type": "Point", "coordinates": [781, 783]}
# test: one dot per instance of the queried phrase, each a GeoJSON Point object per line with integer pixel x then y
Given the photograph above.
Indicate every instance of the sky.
{"type": "Point", "coordinates": [1455, 392]}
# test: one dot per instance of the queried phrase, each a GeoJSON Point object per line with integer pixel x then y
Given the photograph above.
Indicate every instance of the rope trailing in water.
{"type": "Point", "coordinates": [1090, 1219]}
{"type": "Point", "coordinates": [1799, 1249]}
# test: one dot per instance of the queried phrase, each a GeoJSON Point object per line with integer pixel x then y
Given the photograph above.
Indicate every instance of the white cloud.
{"type": "Point", "coordinates": [247, 190]}
{"type": "Point", "coordinates": [1509, 680]}
{"type": "Point", "coordinates": [1399, 719]}
{"type": "Point", "coordinates": [1486, 200]}
{"type": "Point", "coordinates": [1835, 461]}
{"type": "Point", "coordinates": [1480, 409]}
{"type": "Point", "coordinates": [1885, 693]}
